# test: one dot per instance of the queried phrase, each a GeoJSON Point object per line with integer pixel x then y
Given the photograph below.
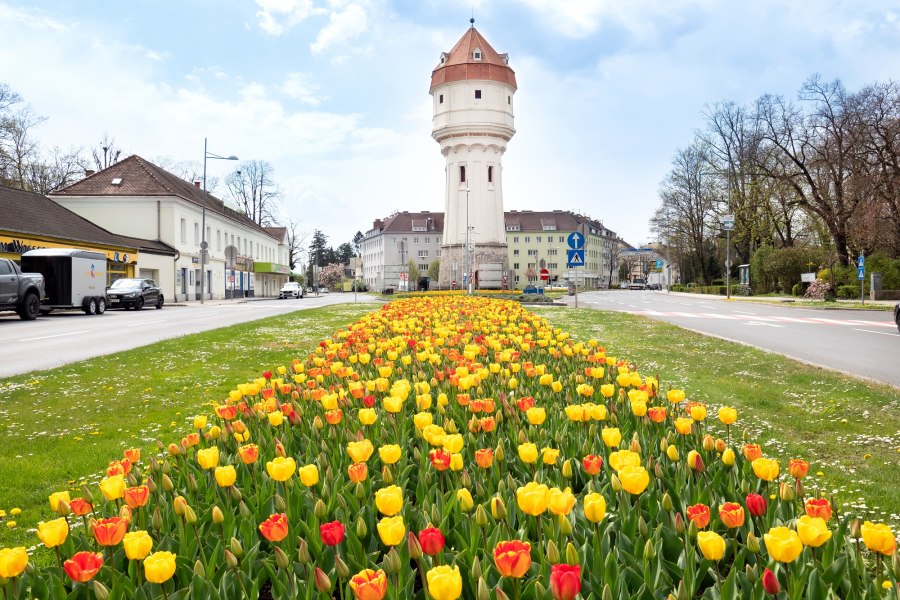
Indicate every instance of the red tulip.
{"type": "Point", "coordinates": [432, 540]}
{"type": "Point", "coordinates": [699, 514]}
{"type": "Point", "coordinates": [275, 528]}
{"type": "Point", "coordinates": [592, 464]}
{"type": "Point", "coordinates": [440, 459]}
{"type": "Point", "coordinates": [80, 506]}
{"type": "Point", "coordinates": [332, 533]}
{"type": "Point", "coordinates": [770, 582]}
{"type": "Point", "coordinates": [513, 559]}
{"type": "Point", "coordinates": [756, 505]}
{"type": "Point", "coordinates": [83, 566]}
{"type": "Point", "coordinates": [109, 532]}
{"type": "Point", "coordinates": [565, 581]}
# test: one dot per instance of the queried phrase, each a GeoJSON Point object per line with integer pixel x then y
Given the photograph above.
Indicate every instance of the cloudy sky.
{"type": "Point", "coordinates": [334, 93]}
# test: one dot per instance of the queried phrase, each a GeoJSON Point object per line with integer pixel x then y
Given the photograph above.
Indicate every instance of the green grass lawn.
{"type": "Point", "coordinates": [61, 425]}
{"type": "Point", "coordinates": [848, 429]}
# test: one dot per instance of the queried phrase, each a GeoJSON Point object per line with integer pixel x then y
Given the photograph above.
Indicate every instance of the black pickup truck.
{"type": "Point", "coordinates": [21, 292]}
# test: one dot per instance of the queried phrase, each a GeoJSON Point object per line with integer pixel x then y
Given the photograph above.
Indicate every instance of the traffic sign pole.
{"type": "Point", "coordinates": [861, 274]}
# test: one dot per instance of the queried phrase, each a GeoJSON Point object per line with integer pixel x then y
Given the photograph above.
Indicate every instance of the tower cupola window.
{"type": "Point", "coordinates": [477, 54]}
{"type": "Point", "coordinates": [478, 94]}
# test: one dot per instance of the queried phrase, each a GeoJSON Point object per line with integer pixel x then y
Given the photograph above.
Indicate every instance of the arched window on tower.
{"type": "Point", "coordinates": [490, 174]}
{"type": "Point", "coordinates": [462, 173]}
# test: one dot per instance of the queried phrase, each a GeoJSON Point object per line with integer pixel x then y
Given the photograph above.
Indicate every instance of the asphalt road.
{"type": "Point", "coordinates": [861, 343]}
{"type": "Point", "coordinates": [69, 336]}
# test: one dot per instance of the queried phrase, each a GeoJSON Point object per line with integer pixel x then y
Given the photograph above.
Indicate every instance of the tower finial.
{"type": "Point", "coordinates": [472, 20]}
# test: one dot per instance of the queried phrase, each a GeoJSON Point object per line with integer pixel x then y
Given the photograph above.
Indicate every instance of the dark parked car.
{"type": "Point", "coordinates": [134, 293]}
{"type": "Point", "coordinates": [897, 315]}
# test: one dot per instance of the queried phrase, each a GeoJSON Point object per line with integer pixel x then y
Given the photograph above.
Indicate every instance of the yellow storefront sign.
{"type": "Point", "coordinates": [18, 245]}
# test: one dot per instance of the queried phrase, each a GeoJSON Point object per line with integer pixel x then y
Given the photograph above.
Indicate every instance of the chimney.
{"type": "Point", "coordinates": [377, 224]}
{"type": "Point", "coordinates": [89, 172]}
{"type": "Point", "coordinates": [197, 184]}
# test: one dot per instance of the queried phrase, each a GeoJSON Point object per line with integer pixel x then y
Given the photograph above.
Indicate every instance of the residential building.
{"type": "Point", "coordinates": [388, 247]}
{"type": "Point", "coordinates": [136, 198]}
{"type": "Point", "coordinates": [30, 221]}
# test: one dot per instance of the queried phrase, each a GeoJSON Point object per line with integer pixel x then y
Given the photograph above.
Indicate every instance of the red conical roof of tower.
{"type": "Point", "coordinates": [460, 63]}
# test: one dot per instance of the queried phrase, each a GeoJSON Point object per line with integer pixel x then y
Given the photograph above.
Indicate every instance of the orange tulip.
{"type": "Point", "coordinates": [798, 468]}
{"type": "Point", "coordinates": [731, 514]}
{"type": "Point", "coordinates": [819, 507]}
{"type": "Point", "coordinates": [109, 532]}
{"type": "Point", "coordinates": [699, 514]}
{"type": "Point", "coordinates": [369, 585]}
{"type": "Point", "coordinates": [512, 559]}
{"type": "Point", "coordinates": [358, 472]}
{"type": "Point", "coordinates": [275, 528]}
{"type": "Point", "coordinates": [592, 464]}
{"type": "Point", "coordinates": [83, 566]}
{"type": "Point", "coordinates": [136, 497]}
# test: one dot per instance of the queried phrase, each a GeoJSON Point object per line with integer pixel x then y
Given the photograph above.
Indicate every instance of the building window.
{"type": "Point", "coordinates": [427, 240]}
{"type": "Point", "coordinates": [462, 173]}
{"type": "Point", "coordinates": [516, 266]}
{"type": "Point", "coordinates": [219, 240]}
{"type": "Point", "coordinates": [490, 174]}
{"type": "Point", "coordinates": [538, 239]}
{"type": "Point", "coordinates": [516, 252]}
{"type": "Point", "coordinates": [183, 231]}
{"type": "Point", "coordinates": [509, 100]}
{"type": "Point", "coordinates": [415, 240]}
{"type": "Point", "coordinates": [478, 94]}
{"type": "Point", "coordinates": [515, 239]}
{"type": "Point", "coordinates": [532, 252]}
{"type": "Point", "coordinates": [423, 253]}
{"type": "Point", "coordinates": [196, 234]}
{"type": "Point", "coordinates": [527, 239]}
{"type": "Point", "coordinates": [477, 54]}
{"type": "Point", "coordinates": [562, 238]}
{"type": "Point", "coordinates": [551, 252]}
{"type": "Point", "coordinates": [441, 99]}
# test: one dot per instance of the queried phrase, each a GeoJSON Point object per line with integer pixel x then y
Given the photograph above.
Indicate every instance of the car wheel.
{"type": "Point", "coordinates": [101, 306]}
{"type": "Point", "coordinates": [90, 306]}
{"type": "Point", "coordinates": [160, 302]}
{"type": "Point", "coordinates": [139, 305]}
{"type": "Point", "coordinates": [31, 307]}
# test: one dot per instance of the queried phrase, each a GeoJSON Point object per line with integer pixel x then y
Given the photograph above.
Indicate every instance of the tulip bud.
{"type": "Point", "coordinates": [667, 501]}
{"type": "Point", "coordinates": [709, 444]}
{"type": "Point", "coordinates": [340, 567]}
{"type": "Point", "coordinates": [62, 508]}
{"type": "Point", "coordinates": [692, 529]}
{"type": "Point", "coordinates": [322, 582]}
{"type": "Point", "coordinates": [615, 483]}
{"type": "Point", "coordinates": [156, 521]}
{"type": "Point", "coordinates": [151, 485]}
{"type": "Point", "coordinates": [279, 503]}
{"type": "Point", "coordinates": [320, 509]}
{"type": "Point", "coordinates": [750, 571]}
{"type": "Point", "coordinates": [552, 553]}
{"type": "Point", "coordinates": [435, 514]}
{"type": "Point", "coordinates": [386, 476]}
{"type": "Point", "coordinates": [499, 594]}
{"type": "Point", "coordinates": [167, 483]}
{"type": "Point", "coordinates": [498, 453]}
{"type": "Point", "coordinates": [482, 592]}
{"type": "Point", "coordinates": [752, 543]}
{"type": "Point", "coordinates": [359, 491]}
{"type": "Point", "coordinates": [786, 492]}
{"type": "Point", "coordinates": [745, 487]}
{"type": "Point", "coordinates": [567, 469]}
{"type": "Point", "coordinates": [895, 564]}
{"type": "Point", "coordinates": [746, 436]}
{"type": "Point", "coordinates": [179, 504]}
{"type": "Point", "coordinates": [391, 562]}
{"type": "Point", "coordinates": [217, 516]}
{"type": "Point", "coordinates": [607, 593]}
{"type": "Point", "coordinates": [100, 591]}
{"type": "Point", "coordinates": [190, 517]}
{"type": "Point", "coordinates": [303, 556]}
{"type": "Point", "coordinates": [682, 593]}
{"type": "Point", "coordinates": [663, 445]}
{"type": "Point", "coordinates": [571, 552]}
{"type": "Point", "coordinates": [361, 530]}
{"type": "Point", "coordinates": [649, 550]}
{"type": "Point", "coordinates": [642, 526]}
{"type": "Point", "coordinates": [720, 445]}
{"type": "Point", "coordinates": [244, 510]}
{"type": "Point", "coordinates": [481, 517]}
{"type": "Point", "coordinates": [679, 523]}
{"type": "Point", "coordinates": [855, 531]}
{"type": "Point", "coordinates": [476, 568]}
{"type": "Point", "coordinates": [231, 560]}
{"type": "Point", "coordinates": [539, 591]}
{"type": "Point", "coordinates": [192, 483]}
{"type": "Point", "coordinates": [152, 462]}
{"type": "Point", "coordinates": [414, 546]}
{"type": "Point", "coordinates": [236, 548]}
{"type": "Point", "coordinates": [498, 508]}
{"type": "Point", "coordinates": [798, 488]}
{"type": "Point", "coordinates": [174, 449]}
{"type": "Point", "coordinates": [728, 457]}
{"type": "Point", "coordinates": [770, 582]}
{"type": "Point", "coordinates": [479, 490]}
{"type": "Point", "coordinates": [317, 423]}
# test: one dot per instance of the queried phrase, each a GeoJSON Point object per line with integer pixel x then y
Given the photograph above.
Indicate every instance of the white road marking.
{"type": "Point", "coordinates": [878, 332]}
{"type": "Point", "coordinates": [755, 323]}
{"type": "Point", "coordinates": [146, 323]}
{"type": "Point", "coordinates": [741, 312]}
{"type": "Point", "coordinates": [208, 314]}
{"type": "Point", "coordinates": [47, 337]}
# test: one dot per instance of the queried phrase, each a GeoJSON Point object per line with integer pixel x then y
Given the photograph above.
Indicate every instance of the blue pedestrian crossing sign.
{"type": "Point", "coordinates": [860, 273]}
{"type": "Point", "coordinates": [576, 242]}
{"type": "Point", "coordinates": [574, 258]}
{"type": "Point", "coordinates": [659, 263]}
{"type": "Point", "coordinates": [861, 261]}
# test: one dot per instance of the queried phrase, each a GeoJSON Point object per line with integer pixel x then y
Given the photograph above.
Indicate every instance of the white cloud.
{"type": "Point", "coordinates": [343, 25]}
{"type": "Point", "coordinates": [300, 87]}
{"type": "Point", "coordinates": [277, 16]}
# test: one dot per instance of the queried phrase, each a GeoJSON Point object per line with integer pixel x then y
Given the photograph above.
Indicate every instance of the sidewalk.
{"type": "Point", "coordinates": [799, 301]}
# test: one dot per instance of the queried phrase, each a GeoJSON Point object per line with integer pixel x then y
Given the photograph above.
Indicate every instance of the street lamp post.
{"type": "Point", "coordinates": [203, 243]}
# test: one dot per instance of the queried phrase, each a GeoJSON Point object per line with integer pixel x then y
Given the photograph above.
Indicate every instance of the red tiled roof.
{"type": "Point", "coordinates": [138, 177]}
{"type": "Point", "coordinates": [460, 63]}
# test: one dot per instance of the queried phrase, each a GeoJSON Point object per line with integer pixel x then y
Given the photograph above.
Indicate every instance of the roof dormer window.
{"type": "Point", "coordinates": [477, 54]}
{"type": "Point", "coordinates": [443, 57]}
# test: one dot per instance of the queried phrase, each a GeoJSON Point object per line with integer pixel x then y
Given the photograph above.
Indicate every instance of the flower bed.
{"type": "Point", "coordinates": [448, 447]}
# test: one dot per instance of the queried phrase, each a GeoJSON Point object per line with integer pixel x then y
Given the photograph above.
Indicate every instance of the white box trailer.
{"type": "Point", "coordinates": [490, 276]}
{"type": "Point", "coordinates": [72, 278]}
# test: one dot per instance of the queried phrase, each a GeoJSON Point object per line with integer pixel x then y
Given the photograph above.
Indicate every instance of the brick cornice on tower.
{"type": "Point", "coordinates": [460, 63]}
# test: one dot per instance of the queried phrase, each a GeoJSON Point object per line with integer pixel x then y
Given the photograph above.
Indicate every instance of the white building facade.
{"type": "Point", "coordinates": [393, 242]}
{"type": "Point", "coordinates": [472, 91]}
{"type": "Point", "coordinates": [136, 198]}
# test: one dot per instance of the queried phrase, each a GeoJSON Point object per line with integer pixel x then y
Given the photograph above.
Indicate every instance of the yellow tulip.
{"type": "Point", "coordinates": [12, 562]}
{"type": "Point", "coordinates": [878, 537]}
{"type": "Point", "coordinates": [727, 415]}
{"type": "Point", "coordinates": [309, 475]}
{"type": "Point", "coordinates": [276, 418]}
{"type": "Point", "coordinates": [783, 544]}
{"type": "Point", "coordinates": [672, 452]}
{"type": "Point", "coordinates": [536, 415]}
{"type": "Point", "coordinates": [634, 479]}
{"type": "Point", "coordinates": [389, 500]}
{"type": "Point", "coordinates": [638, 408]}
{"type": "Point", "coordinates": [392, 530]}
{"type": "Point", "coordinates": [55, 497]}
{"type": "Point", "coordinates": [159, 567]}
{"type": "Point", "coordinates": [208, 458]}
{"type": "Point", "coordinates": [453, 443]}
{"type": "Point", "coordinates": [456, 462]}
{"type": "Point", "coordinates": [712, 545]}
{"type": "Point", "coordinates": [698, 412]}
{"type": "Point", "coordinates": [225, 476]}
{"type": "Point", "coordinates": [813, 531]}
{"type": "Point", "coordinates": [528, 453]}
{"type": "Point", "coordinates": [360, 451]}
{"type": "Point", "coordinates": [765, 468]}
{"type": "Point", "coordinates": [393, 404]}
{"type": "Point", "coordinates": [389, 453]}
{"type": "Point", "coordinates": [281, 468]}
{"type": "Point", "coordinates": [561, 501]}
{"type": "Point", "coordinates": [598, 412]}
{"type": "Point", "coordinates": [675, 396]}
{"type": "Point", "coordinates": [200, 422]}
{"type": "Point", "coordinates": [683, 425]}
{"type": "Point", "coordinates": [422, 420]}
{"type": "Point", "coordinates": [594, 507]}
{"type": "Point", "coordinates": [113, 487]}
{"type": "Point", "coordinates": [608, 390]}
{"type": "Point", "coordinates": [137, 544]}
{"type": "Point", "coordinates": [625, 458]}
{"type": "Point", "coordinates": [533, 498]}
{"type": "Point", "coordinates": [444, 583]}
{"type": "Point", "coordinates": [464, 499]}
{"type": "Point", "coordinates": [549, 455]}
{"type": "Point", "coordinates": [53, 533]}
{"type": "Point", "coordinates": [728, 457]}
{"type": "Point", "coordinates": [612, 437]}
{"type": "Point", "coordinates": [367, 416]}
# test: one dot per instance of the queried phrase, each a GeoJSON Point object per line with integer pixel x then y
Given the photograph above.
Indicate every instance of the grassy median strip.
{"type": "Point", "coordinates": [848, 429]}
{"type": "Point", "coordinates": [61, 425]}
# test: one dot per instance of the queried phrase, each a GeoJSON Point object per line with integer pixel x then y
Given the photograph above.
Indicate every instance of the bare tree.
{"type": "Point", "coordinates": [60, 169]}
{"type": "Point", "coordinates": [255, 192]}
{"type": "Point", "coordinates": [18, 148]}
{"type": "Point", "coordinates": [296, 244]}
{"type": "Point", "coordinates": [106, 153]}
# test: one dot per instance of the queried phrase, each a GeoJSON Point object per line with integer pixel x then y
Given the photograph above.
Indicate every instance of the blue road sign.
{"type": "Point", "coordinates": [574, 258]}
{"type": "Point", "coordinates": [861, 261]}
{"type": "Point", "coordinates": [659, 263]}
{"type": "Point", "coordinates": [861, 273]}
{"type": "Point", "coordinates": [576, 242]}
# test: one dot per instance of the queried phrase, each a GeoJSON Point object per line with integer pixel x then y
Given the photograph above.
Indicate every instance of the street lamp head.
{"type": "Point", "coordinates": [232, 157]}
